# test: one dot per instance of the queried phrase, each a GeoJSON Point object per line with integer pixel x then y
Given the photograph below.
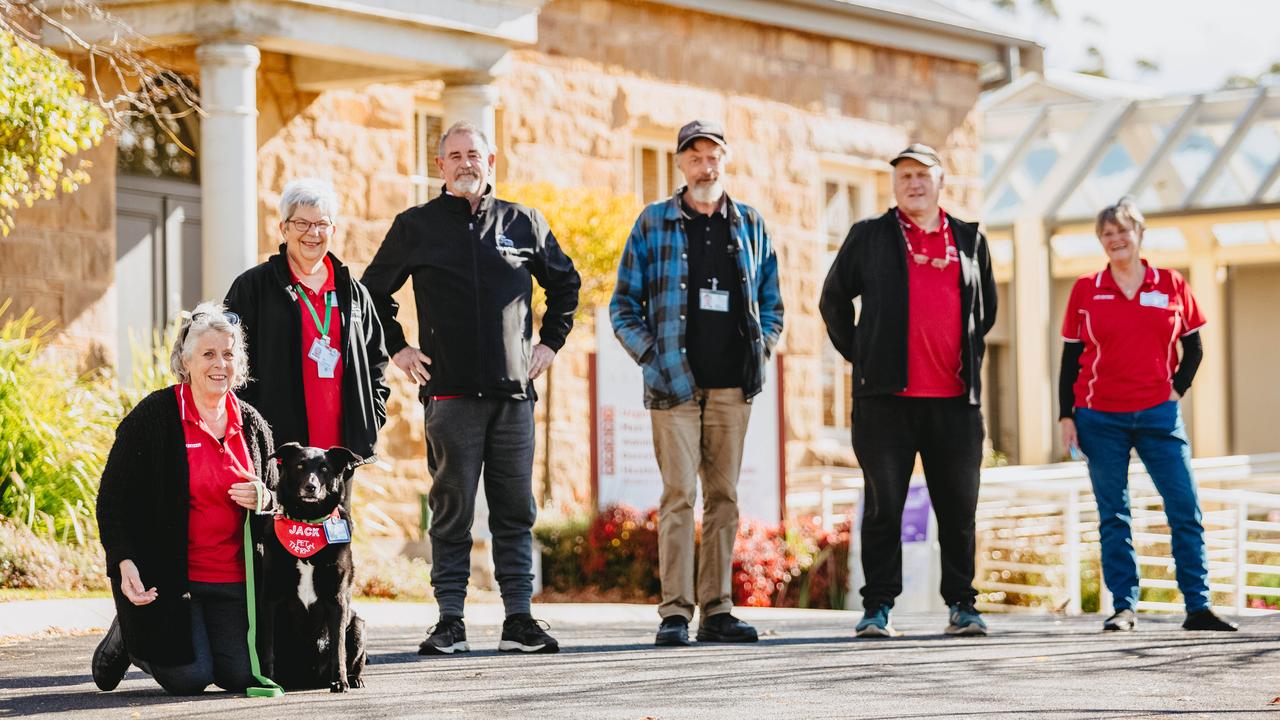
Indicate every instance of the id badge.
{"type": "Point", "coordinates": [1155, 298]}
{"type": "Point", "coordinates": [318, 348]}
{"type": "Point", "coordinates": [713, 300]}
{"type": "Point", "coordinates": [336, 530]}
{"type": "Point", "coordinates": [328, 362]}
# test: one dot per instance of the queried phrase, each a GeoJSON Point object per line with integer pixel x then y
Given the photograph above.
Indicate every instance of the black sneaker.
{"type": "Point", "coordinates": [521, 633]}
{"type": "Point", "coordinates": [449, 636]}
{"type": "Point", "coordinates": [110, 659]}
{"type": "Point", "coordinates": [966, 620]}
{"type": "Point", "coordinates": [674, 631]}
{"type": "Point", "coordinates": [1206, 620]}
{"type": "Point", "coordinates": [724, 627]}
{"type": "Point", "coordinates": [1123, 621]}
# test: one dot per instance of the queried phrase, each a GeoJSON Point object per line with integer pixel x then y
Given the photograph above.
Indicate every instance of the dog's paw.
{"type": "Point", "coordinates": [337, 686]}
{"type": "Point", "coordinates": [356, 683]}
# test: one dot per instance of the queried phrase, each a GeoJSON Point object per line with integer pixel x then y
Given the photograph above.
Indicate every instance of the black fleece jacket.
{"type": "Point", "coordinates": [872, 265]}
{"type": "Point", "coordinates": [272, 319]}
{"type": "Point", "coordinates": [143, 505]}
{"type": "Point", "coordinates": [472, 279]}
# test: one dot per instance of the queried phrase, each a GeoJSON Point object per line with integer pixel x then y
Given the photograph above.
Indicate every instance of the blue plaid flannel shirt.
{"type": "Point", "coordinates": [650, 300]}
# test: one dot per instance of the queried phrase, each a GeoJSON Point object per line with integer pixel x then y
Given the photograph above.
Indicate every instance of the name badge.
{"type": "Point", "coordinates": [713, 300]}
{"type": "Point", "coordinates": [325, 357]}
{"type": "Point", "coordinates": [336, 530]}
{"type": "Point", "coordinates": [1155, 298]}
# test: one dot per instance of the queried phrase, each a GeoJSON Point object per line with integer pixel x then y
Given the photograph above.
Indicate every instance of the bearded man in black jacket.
{"type": "Point", "coordinates": [316, 352]}
{"type": "Point", "coordinates": [472, 259]}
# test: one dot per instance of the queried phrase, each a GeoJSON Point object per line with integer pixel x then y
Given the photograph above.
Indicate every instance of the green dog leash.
{"type": "Point", "coordinates": [268, 688]}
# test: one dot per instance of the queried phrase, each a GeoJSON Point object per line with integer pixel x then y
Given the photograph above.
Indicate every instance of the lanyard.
{"type": "Point", "coordinates": [328, 312]}
{"type": "Point", "coordinates": [920, 257]}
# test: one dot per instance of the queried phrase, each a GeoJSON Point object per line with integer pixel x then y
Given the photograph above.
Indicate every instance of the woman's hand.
{"type": "Point", "coordinates": [246, 494]}
{"type": "Point", "coordinates": [1070, 440]}
{"type": "Point", "coordinates": [131, 585]}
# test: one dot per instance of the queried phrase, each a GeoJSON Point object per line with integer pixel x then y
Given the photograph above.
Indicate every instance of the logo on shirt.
{"type": "Point", "coordinates": [191, 446]}
{"type": "Point", "coordinates": [1104, 296]}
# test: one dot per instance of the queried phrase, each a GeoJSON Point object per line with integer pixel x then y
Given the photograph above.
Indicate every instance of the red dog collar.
{"type": "Point", "coordinates": [302, 539]}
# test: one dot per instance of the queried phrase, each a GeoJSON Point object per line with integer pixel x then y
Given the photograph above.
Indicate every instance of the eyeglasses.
{"type": "Point", "coordinates": [304, 226]}
{"type": "Point", "coordinates": [230, 317]}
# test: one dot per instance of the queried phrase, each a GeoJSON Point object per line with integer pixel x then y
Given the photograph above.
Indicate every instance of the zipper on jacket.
{"type": "Point", "coordinates": [475, 282]}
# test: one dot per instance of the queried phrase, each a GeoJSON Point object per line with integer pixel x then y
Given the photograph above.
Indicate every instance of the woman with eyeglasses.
{"type": "Point", "coordinates": [188, 462]}
{"type": "Point", "coordinates": [316, 353]}
{"type": "Point", "coordinates": [1119, 387]}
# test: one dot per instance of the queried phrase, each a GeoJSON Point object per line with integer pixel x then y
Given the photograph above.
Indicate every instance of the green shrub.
{"type": "Point", "coordinates": [56, 429]}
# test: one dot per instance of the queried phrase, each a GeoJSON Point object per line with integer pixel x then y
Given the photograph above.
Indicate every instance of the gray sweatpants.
{"type": "Point", "coordinates": [468, 436]}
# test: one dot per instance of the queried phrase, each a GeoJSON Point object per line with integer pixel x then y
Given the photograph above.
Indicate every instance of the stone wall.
{"type": "Point", "coordinates": [606, 73]}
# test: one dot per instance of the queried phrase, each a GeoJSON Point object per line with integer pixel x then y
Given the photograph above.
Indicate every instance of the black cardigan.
{"type": "Point", "coordinates": [272, 319]}
{"type": "Point", "coordinates": [143, 504]}
{"type": "Point", "coordinates": [872, 264]}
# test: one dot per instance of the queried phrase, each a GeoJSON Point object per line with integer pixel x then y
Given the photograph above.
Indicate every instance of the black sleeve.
{"type": "Point", "coordinates": [987, 278]}
{"type": "Point", "coordinates": [838, 292]}
{"type": "Point", "coordinates": [375, 353]}
{"type": "Point", "coordinates": [556, 274]}
{"type": "Point", "coordinates": [1192, 354]}
{"type": "Point", "coordinates": [386, 274]}
{"type": "Point", "coordinates": [118, 492]}
{"type": "Point", "coordinates": [241, 300]}
{"type": "Point", "coordinates": [1067, 374]}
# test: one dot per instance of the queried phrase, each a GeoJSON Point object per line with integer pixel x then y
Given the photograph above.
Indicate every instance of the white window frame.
{"type": "Point", "coordinates": [425, 180]}
{"type": "Point", "coordinates": [659, 142]}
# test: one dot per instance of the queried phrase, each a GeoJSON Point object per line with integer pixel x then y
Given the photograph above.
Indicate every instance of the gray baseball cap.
{"type": "Point", "coordinates": [700, 129]}
{"type": "Point", "coordinates": [919, 152]}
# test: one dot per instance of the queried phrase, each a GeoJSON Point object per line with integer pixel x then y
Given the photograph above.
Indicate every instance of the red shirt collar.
{"type": "Point", "coordinates": [1107, 280]}
{"type": "Point", "coordinates": [911, 227]}
{"type": "Point", "coordinates": [329, 284]}
{"type": "Point", "coordinates": [188, 413]}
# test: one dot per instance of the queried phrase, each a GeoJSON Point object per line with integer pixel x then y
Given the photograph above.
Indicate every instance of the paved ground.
{"type": "Point", "coordinates": [806, 666]}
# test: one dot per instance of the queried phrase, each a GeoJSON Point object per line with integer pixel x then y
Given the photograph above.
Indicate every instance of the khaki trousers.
{"type": "Point", "coordinates": [703, 436]}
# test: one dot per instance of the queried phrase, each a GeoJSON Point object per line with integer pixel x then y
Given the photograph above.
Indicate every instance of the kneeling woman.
{"type": "Point", "coordinates": [1119, 389]}
{"type": "Point", "coordinates": [182, 474]}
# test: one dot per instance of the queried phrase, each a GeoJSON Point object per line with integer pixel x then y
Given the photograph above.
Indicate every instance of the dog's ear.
{"type": "Point", "coordinates": [342, 460]}
{"type": "Point", "coordinates": [286, 452]}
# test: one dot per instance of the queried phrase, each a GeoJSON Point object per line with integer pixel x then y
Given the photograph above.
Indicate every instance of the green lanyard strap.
{"type": "Point", "coordinates": [328, 311]}
{"type": "Point", "coordinates": [268, 688]}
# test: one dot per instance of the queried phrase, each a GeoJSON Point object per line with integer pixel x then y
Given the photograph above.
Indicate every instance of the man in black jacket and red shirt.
{"type": "Point", "coordinates": [928, 299]}
{"type": "Point", "coordinates": [316, 354]}
{"type": "Point", "coordinates": [472, 258]}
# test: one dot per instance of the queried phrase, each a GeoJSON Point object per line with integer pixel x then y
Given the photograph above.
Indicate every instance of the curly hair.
{"type": "Point", "coordinates": [209, 316]}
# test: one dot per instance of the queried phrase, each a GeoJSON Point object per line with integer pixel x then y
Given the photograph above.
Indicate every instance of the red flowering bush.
{"type": "Point", "coordinates": [615, 554]}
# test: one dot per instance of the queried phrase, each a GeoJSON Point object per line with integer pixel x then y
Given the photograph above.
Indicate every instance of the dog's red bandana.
{"type": "Point", "coordinates": [301, 539]}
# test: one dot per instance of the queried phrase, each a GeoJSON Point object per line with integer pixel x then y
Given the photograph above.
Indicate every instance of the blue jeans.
{"type": "Point", "coordinates": [1160, 438]}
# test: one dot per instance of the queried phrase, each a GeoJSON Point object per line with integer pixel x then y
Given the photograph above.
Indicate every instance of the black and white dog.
{"type": "Point", "coordinates": [316, 638]}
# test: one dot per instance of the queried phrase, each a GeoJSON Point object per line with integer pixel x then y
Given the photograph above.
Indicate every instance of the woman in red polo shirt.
{"type": "Point", "coordinates": [1119, 388]}
{"type": "Point", "coordinates": [181, 475]}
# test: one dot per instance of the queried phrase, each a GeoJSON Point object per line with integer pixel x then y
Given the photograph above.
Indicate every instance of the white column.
{"type": "Point", "coordinates": [1211, 412]}
{"type": "Point", "coordinates": [473, 101]}
{"type": "Point", "coordinates": [1033, 329]}
{"type": "Point", "coordinates": [228, 163]}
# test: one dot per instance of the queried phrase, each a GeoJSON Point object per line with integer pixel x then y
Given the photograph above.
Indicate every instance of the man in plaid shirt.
{"type": "Point", "coordinates": [697, 306]}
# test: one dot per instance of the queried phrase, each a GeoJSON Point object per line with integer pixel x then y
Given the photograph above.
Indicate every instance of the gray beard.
{"type": "Point", "coordinates": [466, 185]}
{"type": "Point", "coordinates": [706, 192]}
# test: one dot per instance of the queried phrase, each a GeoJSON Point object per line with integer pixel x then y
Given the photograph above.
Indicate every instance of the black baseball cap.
{"type": "Point", "coordinates": [919, 152]}
{"type": "Point", "coordinates": [700, 129]}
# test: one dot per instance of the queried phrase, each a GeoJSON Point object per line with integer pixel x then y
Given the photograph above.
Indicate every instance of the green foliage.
{"type": "Point", "coordinates": [55, 432]}
{"type": "Point", "coordinates": [44, 119]}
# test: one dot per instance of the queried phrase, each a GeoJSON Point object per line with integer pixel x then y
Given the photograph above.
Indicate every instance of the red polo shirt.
{"type": "Point", "coordinates": [933, 311]}
{"type": "Point", "coordinates": [215, 534]}
{"type": "Point", "coordinates": [323, 395]}
{"type": "Point", "coordinates": [1129, 356]}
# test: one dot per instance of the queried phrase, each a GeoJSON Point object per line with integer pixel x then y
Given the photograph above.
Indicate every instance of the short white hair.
{"type": "Point", "coordinates": [206, 317]}
{"type": "Point", "coordinates": [935, 170]}
{"type": "Point", "coordinates": [308, 192]}
{"type": "Point", "coordinates": [465, 126]}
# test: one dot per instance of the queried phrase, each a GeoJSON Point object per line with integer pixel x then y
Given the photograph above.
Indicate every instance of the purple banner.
{"type": "Point", "coordinates": [915, 515]}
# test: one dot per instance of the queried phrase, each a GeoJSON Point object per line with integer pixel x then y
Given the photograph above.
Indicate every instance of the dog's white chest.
{"type": "Point", "coordinates": [306, 584]}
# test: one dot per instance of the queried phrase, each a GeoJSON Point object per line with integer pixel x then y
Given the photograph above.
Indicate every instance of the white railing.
{"type": "Point", "coordinates": [1038, 531]}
